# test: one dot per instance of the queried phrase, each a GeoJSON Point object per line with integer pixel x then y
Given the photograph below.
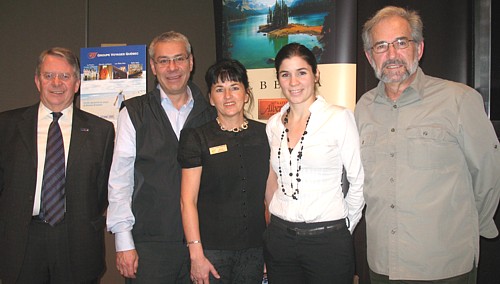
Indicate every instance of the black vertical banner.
{"type": "Point", "coordinates": [343, 39]}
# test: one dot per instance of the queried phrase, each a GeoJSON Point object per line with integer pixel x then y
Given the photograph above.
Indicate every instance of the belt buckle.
{"type": "Point", "coordinates": [315, 231]}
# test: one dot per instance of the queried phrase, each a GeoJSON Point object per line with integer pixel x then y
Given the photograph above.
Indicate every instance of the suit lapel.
{"type": "Point", "coordinates": [79, 133]}
{"type": "Point", "coordinates": [28, 131]}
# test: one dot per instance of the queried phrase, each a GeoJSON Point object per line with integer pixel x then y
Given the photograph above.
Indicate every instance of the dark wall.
{"type": "Point", "coordinates": [30, 26]}
{"type": "Point", "coordinates": [27, 28]}
{"type": "Point", "coordinates": [495, 59]}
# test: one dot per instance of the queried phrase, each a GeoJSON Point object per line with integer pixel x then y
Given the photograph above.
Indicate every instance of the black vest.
{"type": "Point", "coordinates": [157, 174]}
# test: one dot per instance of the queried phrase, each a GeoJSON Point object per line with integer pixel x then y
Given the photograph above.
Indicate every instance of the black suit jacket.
{"type": "Point", "coordinates": [87, 171]}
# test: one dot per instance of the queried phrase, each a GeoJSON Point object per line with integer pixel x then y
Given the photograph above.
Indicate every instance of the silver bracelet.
{"type": "Point", "coordinates": [193, 242]}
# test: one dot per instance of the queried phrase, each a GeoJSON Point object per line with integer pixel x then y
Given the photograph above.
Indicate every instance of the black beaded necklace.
{"type": "Point", "coordinates": [299, 158]}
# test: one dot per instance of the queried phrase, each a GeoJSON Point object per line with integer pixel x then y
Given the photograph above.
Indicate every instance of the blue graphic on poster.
{"type": "Point", "coordinates": [109, 75]}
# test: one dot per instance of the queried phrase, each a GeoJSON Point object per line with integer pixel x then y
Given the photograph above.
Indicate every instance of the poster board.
{"type": "Point", "coordinates": [253, 31]}
{"type": "Point", "coordinates": [109, 75]}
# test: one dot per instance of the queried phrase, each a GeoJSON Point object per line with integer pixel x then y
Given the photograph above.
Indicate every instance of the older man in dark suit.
{"type": "Point", "coordinates": [54, 167]}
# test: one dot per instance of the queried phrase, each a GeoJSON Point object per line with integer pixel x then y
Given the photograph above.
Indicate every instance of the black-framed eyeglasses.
{"type": "Point", "coordinates": [383, 46]}
{"type": "Point", "coordinates": [49, 76]}
{"type": "Point", "coordinates": [165, 61]}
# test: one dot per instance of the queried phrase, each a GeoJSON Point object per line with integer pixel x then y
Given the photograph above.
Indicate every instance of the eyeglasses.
{"type": "Point", "coordinates": [165, 61]}
{"type": "Point", "coordinates": [49, 76]}
{"type": "Point", "coordinates": [383, 46]}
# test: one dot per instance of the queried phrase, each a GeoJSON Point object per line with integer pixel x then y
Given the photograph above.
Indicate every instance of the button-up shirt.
{"type": "Point", "coordinates": [432, 164]}
{"type": "Point", "coordinates": [331, 143]}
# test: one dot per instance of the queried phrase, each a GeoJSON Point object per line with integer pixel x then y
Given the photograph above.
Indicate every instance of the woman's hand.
{"type": "Point", "coordinates": [201, 269]}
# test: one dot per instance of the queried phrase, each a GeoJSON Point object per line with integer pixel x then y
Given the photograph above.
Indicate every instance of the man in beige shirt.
{"type": "Point", "coordinates": [431, 160]}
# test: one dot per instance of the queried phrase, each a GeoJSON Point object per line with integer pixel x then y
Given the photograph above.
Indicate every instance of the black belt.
{"type": "Point", "coordinates": [308, 229]}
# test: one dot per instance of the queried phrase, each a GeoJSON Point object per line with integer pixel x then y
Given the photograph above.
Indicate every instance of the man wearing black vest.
{"type": "Point", "coordinates": [144, 186]}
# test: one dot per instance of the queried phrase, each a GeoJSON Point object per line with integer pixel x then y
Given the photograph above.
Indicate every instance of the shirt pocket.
{"type": "Point", "coordinates": [431, 147]}
{"type": "Point", "coordinates": [367, 146]}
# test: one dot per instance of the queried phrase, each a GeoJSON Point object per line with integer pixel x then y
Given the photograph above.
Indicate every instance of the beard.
{"type": "Point", "coordinates": [389, 76]}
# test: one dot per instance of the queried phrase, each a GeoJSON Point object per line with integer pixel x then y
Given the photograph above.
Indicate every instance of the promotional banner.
{"type": "Point", "coordinates": [253, 31]}
{"type": "Point", "coordinates": [109, 75]}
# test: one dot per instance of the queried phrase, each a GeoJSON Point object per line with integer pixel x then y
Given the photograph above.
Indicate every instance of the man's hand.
{"type": "Point", "coordinates": [127, 262]}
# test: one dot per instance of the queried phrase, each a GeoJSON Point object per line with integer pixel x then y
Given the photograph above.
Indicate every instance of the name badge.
{"type": "Point", "coordinates": [218, 149]}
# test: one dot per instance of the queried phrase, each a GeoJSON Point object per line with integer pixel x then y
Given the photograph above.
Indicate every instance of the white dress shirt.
{"type": "Point", "coordinates": [331, 142]}
{"type": "Point", "coordinates": [45, 117]}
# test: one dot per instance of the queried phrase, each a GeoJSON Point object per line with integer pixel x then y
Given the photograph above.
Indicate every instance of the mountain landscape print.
{"type": "Point", "coordinates": [253, 31]}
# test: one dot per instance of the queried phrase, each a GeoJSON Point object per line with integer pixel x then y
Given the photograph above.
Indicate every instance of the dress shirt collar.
{"type": "Point", "coordinates": [166, 99]}
{"type": "Point", "coordinates": [44, 112]}
{"type": "Point", "coordinates": [317, 104]}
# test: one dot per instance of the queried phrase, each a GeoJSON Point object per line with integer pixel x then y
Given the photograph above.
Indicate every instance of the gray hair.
{"type": "Point", "coordinates": [412, 17]}
{"type": "Point", "coordinates": [167, 37]}
{"type": "Point", "coordinates": [62, 52]}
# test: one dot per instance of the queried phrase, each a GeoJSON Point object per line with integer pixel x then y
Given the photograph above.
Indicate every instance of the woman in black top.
{"type": "Point", "coordinates": [225, 165]}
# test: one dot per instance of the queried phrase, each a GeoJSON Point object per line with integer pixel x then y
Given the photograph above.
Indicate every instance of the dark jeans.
{"type": "Point", "coordinates": [326, 257]}
{"type": "Point", "coordinates": [467, 278]}
{"type": "Point", "coordinates": [162, 262]}
{"type": "Point", "coordinates": [237, 266]}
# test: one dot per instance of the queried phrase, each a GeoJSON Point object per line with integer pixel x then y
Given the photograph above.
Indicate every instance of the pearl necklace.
{"type": "Point", "coordinates": [242, 127]}
{"type": "Point", "coordinates": [299, 159]}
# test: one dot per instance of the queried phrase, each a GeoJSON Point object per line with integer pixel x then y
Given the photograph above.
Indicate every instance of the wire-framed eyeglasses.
{"type": "Point", "coordinates": [49, 76]}
{"type": "Point", "coordinates": [165, 61]}
{"type": "Point", "coordinates": [383, 46]}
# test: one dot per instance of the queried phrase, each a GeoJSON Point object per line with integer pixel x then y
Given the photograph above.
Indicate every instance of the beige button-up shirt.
{"type": "Point", "coordinates": [432, 167]}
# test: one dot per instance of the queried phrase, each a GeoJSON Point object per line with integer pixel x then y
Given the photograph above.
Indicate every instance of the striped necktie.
{"type": "Point", "coordinates": [54, 175]}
